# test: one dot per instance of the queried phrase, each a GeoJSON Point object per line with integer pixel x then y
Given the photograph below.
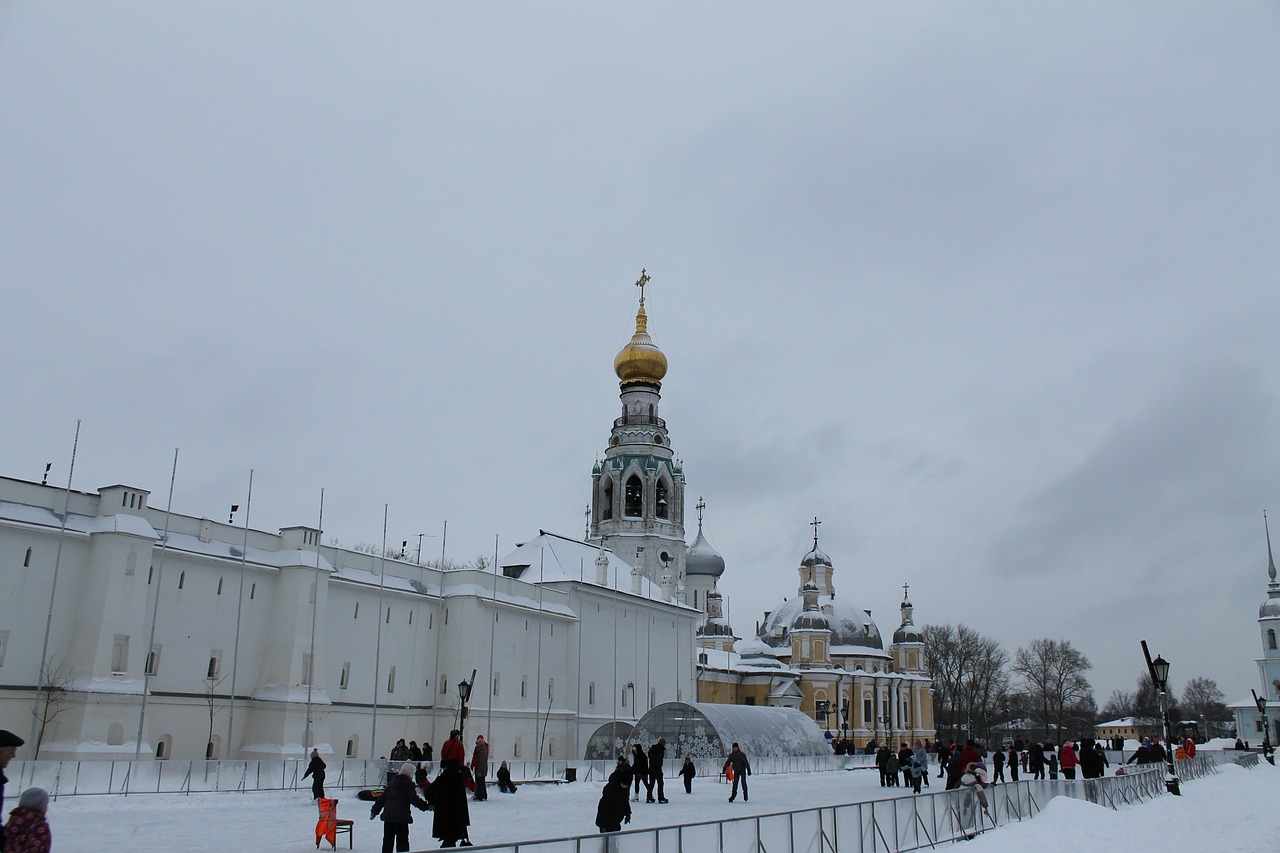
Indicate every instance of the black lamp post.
{"type": "Point", "coordinates": [464, 696]}
{"type": "Point", "coordinates": [1261, 702]}
{"type": "Point", "coordinates": [1159, 671]}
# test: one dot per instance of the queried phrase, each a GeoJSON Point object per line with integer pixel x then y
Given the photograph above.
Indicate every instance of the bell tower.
{"type": "Point", "coordinates": [637, 489]}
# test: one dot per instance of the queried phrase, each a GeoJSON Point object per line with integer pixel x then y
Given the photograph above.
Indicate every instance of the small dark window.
{"type": "Point", "coordinates": [253, 590]}
{"type": "Point", "coordinates": [26, 562]}
{"type": "Point", "coordinates": [182, 580]}
{"type": "Point", "coordinates": [662, 499]}
{"type": "Point", "coordinates": [219, 586]}
{"type": "Point", "coordinates": [1271, 638]}
{"type": "Point", "coordinates": [606, 509]}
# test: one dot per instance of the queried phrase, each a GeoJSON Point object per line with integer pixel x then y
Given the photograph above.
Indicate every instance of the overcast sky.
{"type": "Point", "coordinates": [990, 288]}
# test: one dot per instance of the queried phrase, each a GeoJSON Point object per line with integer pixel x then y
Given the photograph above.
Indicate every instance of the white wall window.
{"type": "Point", "coordinates": [215, 664]}
{"type": "Point", "coordinates": [551, 689]}
{"type": "Point", "coordinates": [524, 687]}
{"type": "Point", "coordinates": [153, 660]}
{"type": "Point", "coordinates": [391, 680]}
{"type": "Point", "coordinates": [26, 561]}
{"type": "Point", "coordinates": [345, 678]}
{"type": "Point", "coordinates": [444, 684]}
{"type": "Point", "coordinates": [306, 669]}
{"type": "Point", "coordinates": [515, 748]}
{"type": "Point", "coordinates": [182, 580]}
{"type": "Point", "coordinates": [120, 654]}
{"type": "Point", "coordinates": [351, 747]}
{"type": "Point", "coordinates": [219, 585]}
{"type": "Point", "coordinates": [4, 645]}
{"type": "Point", "coordinates": [497, 676]}
{"type": "Point", "coordinates": [591, 693]}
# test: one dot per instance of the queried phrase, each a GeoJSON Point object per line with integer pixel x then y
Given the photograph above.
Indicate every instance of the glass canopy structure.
{"type": "Point", "coordinates": [705, 730]}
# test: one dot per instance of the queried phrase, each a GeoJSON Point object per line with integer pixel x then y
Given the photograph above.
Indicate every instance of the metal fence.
{"type": "Point", "coordinates": [126, 776]}
{"type": "Point", "coordinates": [893, 825]}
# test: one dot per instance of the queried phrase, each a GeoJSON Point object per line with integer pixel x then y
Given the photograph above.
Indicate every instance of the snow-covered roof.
{"type": "Point", "coordinates": [550, 558]}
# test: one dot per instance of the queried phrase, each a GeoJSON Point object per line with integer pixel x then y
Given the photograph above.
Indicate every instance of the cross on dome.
{"type": "Point", "coordinates": [814, 524]}
{"type": "Point", "coordinates": [641, 282]}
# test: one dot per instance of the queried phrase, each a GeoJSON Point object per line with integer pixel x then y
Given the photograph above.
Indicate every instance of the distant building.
{"type": "Point", "coordinates": [1130, 728]}
{"type": "Point", "coordinates": [1249, 723]}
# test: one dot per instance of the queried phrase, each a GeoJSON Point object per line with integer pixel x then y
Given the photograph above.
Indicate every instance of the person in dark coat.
{"type": "Point", "coordinates": [1090, 760]}
{"type": "Point", "coordinates": [944, 755]}
{"type": "Point", "coordinates": [415, 754]}
{"type": "Point", "coordinates": [688, 771]}
{"type": "Point", "coordinates": [506, 786]}
{"type": "Point", "coordinates": [882, 764]}
{"type": "Point", "coordinates": [614, 808]}
{"type": "Point", "coordinates": [393, 804]}
{"type": "Point", "coordinates": [904, 763]}
{"type": "Point", "coordinates": [741, 770]}
{"type": "Point", "coordinates": [448, 797]}
{"type": "Point", "coordinates": [400, 752]}
{"type": "Point", "coordinates": [426, 751]}
{"type": "Point", "coordinates": [9, 743]}
{"type": "Point", "coordinates": [657, 753]}
{"type": "Point", "coordinates": [639, 768]}
{"type": "Point", "coordinates": [316, 771]}
{"type": "Point", "coordinates": [998, 760]}
{"type": "Point", "coordinates": [1036, 763]}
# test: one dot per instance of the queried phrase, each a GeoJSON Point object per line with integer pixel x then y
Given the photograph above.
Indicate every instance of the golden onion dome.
{"type": "Point", "coordinates": [640, 360]}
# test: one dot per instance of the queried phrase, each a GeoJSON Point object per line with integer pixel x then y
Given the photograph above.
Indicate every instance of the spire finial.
{"type": "Point", "coordinates": [700, 507]}
{"type": "Point", "coordinates": [814, 524]}
{"type": "Point", "coordinates": [905, 598]}
{"type": "Point", "coordinates": [641, 282]}
{"type": "Point", "coordinates": [1271, 562]}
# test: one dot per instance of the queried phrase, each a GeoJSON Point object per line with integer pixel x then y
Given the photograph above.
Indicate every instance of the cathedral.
{"type": "Point", "coordinates": [817, 652]}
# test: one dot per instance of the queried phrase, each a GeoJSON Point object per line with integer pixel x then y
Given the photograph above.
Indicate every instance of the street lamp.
{"type": "Point", "coordinates": [464, 696]}
{"type": "Point", "coordinates": [1159, 671]}
{"type": "Point", "coordinates": [1261, 702]}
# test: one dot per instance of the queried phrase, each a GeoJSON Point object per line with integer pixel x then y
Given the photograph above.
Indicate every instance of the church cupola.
{"type": "Point", "coordinates": [810, 632]}
{"type": "Point", "coordinates": [637, 490]}
{"type": "Point", "coordinates": [703, 566]}
{"type": "Point", "coordinates": [816, 565]}
{"type": "Point", "coordinates": [908, 642]}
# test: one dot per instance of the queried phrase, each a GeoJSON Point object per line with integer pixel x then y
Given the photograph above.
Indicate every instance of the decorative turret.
{"type": "Point", "coordinates": [703, 565]}
{"type": "Point", "coordinates": [602, 566]}
{"type": "Point", "coordinates": [810, 632]}
{"type": "Point", "coordinates": [908, 642]}
{"type": "Point", "coordinates": [716, 632]}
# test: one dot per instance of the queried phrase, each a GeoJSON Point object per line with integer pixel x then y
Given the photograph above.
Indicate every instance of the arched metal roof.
{"type": "Point", "coordinates": [610, 741]}
{"type": "Point", "coordinates": [705, 730]}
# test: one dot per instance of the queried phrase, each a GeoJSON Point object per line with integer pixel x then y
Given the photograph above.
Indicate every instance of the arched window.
{"type": "Point", "coordinates": [115, 734]}
{"type": "Point", "coordinates": [1271, 638]}
{"type": "Point", "coordinates": [606, 505]}
{"type": "Point", "coordinates": [662, 499]}
{"type": "Point", "coordinates": [634, 504]}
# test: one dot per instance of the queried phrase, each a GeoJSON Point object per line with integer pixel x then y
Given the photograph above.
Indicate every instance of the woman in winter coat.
{"type": "Point", "coordinates": [688, 771]}
{"type": "Point", "coordinates": [394, 803]}
{"type": "Point", "coordinates": [614, 808]}
{"type": "Point", "coordinates": [922, 758]}
{"type": "Point", "coordinates": [505, 785]}
{"type": "Point", "coordinates": [316, 771]}
{"type": "Point", "coordinates": [639, 767]}
{"type": "Point", "coordinates": [448, 797]}
{"type": "Point", "coordinates": [1069, 760]}
{"type": "Point", "coordinates": [27, 830]}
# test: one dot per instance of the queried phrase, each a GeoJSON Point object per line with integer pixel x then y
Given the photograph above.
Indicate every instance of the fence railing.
{"type": "Point", "coordinates": [892, 825]}
{"type": "Point", "coordinates": [68, 778]}
{"type": "Point", "coordinates": [103, 776]}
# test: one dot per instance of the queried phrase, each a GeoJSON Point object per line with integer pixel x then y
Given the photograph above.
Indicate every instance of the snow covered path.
{"type": "Point", "coordinates": [1233, 811]}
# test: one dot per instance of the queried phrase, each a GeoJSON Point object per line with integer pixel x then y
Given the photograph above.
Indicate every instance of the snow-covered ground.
{"type": "Point", "coordinates": [1232, 811]}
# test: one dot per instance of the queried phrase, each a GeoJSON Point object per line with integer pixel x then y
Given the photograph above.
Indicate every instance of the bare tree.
{"type": "Point", "coordinates": [55, 684]}
{"type": "Point", "coordinates": [1053, 675]}
{"type": "Point", "coordinates": [1201, 698]}
{"type": "Point", "coordinates": [970, 678]}
{"type": "Point", "coordinates": [482, 562]}
{"type": "Point", "coordinates": [211, 697]}
{"type": "Point", "coordinates": [1119, 704]}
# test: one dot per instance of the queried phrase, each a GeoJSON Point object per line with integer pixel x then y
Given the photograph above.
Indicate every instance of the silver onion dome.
{"type": "Point", "coordinates": [701, 559]}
